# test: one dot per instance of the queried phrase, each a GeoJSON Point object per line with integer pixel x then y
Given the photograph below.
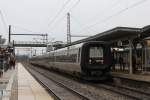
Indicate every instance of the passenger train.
{"type": "Point", "coordinates": [89, 61]}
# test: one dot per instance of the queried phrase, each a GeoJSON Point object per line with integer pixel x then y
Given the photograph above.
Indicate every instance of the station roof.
{"type": "Point", "coordinates": [118, 33]}
{"type": "Point", "coordinates": [145, 31]}
{"type": "Point", "coordinates": [115, 34]}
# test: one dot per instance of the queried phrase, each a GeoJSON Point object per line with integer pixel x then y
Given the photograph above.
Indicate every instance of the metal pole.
{"type": "Point", "coordinates": [9, 37]}
{"type": "Point", "coordinates": [130, 54]}
{"type": "Point", "coordinates": [145, 58]}
{"type": "Point", "coordinates": [13, 46]}
{"type": "Point", "coordinates": [31, 51]}
{"type": "Point", "coordinates": [46, 38]}
{"type": "Point", "coordinates": [35, 52]}
{"type": "Point", "coordinates": [68, 29]}
{"type": "Point", "coordinates": [68, 32]}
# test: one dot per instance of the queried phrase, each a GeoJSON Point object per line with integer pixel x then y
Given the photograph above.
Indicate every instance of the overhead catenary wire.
{"type": "Point", "coordinates": [115, 14]}
{"type": "Point", "coordinates": [24, 29]}
{"type": "Point", "coordinates": [58, 21]}
{"type": "Point", "coordinates": [104, 10]}
{"type": "Point", "coordinates": [3, 21]}
{"type": "Point", "coordinates": [73, 6]}
{"type": "Point", "coordinates": [59, 12]}
{"type": "Point", "coordinates": [90, 29]}
{"type": "Point", "coordinates": [77, 21]}
{"type": "Point", "coordinates": [70, 10]}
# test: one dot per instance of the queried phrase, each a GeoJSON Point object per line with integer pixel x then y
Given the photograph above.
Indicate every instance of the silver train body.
{"type": "Point", "coordinates": [89, 61]}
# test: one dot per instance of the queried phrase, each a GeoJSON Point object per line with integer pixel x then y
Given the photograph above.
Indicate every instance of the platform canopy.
{"type": "Point", "coordinates": [118, 33]}
{"type": "Point", "coordinates": [145, 32]}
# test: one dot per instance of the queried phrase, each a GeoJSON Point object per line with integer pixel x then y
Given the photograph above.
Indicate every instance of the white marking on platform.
{"type": "Point", "coordinates": [29, 88]}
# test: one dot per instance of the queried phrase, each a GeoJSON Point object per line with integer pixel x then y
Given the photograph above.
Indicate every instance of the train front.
{"type": "Point", "coordinates": [96, 61]}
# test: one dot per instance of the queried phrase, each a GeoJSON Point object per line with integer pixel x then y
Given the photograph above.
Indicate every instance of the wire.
{"type": "Point", "coordinates": [62, 8]}
{"type": "Point", "coordinates": [74, 6]}
{"type": "Point", "coordinates": [3, 21]}
{"type": "Point", "coordinates": [27, 30]}
{"type": "Point", "coordinates": [78, 1]}
{"type": "Point", "coordinates": [77, 21]}
{"type": "Point", "coordinates": [121, 11]}
{"type": "Point", "coordinates": [68, 11]}
{"type": "Point", "coordinates": [94, 16]}
{"type": "Point", "coordinates": [61, 19]}
{"type": "Point", "coordinates": [104, 10]}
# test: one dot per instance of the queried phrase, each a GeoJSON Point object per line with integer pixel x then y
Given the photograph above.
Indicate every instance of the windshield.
{"type": "Point", "coordinates": [96, 55]}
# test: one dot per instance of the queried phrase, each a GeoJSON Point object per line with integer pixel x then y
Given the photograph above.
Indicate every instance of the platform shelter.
{"type": "Point", "coordinates": [131, 46]}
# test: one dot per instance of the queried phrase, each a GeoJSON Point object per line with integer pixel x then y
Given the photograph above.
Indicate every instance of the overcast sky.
{"type": "Point", "coordinates": [88, 17]}
{"type": "Point", "coordinates": [37, 15]}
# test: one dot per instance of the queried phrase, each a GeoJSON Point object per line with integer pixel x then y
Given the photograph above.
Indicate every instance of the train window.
{"type": "Point", "coordinates": [96, 55]}
{"type": "Point", "coordinates": [78, 56]}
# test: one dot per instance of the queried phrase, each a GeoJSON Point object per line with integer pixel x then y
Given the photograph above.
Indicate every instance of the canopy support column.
{"type": "Point", "coordinates": [130, 56]}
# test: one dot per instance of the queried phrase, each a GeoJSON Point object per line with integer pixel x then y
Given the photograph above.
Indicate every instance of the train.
{"type": "Point", "coordinates": [89, 60]}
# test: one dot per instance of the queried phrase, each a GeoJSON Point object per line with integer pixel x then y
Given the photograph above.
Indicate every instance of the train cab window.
{"type": "Point", "coordinates": [78, 56]}
{"type": "Point", "coordinates": [96, 55]}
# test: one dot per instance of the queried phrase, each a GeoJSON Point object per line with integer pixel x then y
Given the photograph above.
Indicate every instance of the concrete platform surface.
{"type": "Point", "coordinates": [29, 88]}
{"type": "Point", "coordinates": [6, 81]}
{"type": "Point", "coordinates": [6, 76]}
{"type": "Point", "coordinates": [137, 77]}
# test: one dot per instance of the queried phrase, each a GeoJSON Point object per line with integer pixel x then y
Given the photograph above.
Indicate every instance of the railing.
{"type": "Point", "coordinates": [29, 42]}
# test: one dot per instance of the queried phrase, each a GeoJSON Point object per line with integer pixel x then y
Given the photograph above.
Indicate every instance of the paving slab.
{"type": "Point", "coordinates": [28, 87]}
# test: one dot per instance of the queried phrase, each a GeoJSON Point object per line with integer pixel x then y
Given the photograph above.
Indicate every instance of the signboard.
{"type": "Point", "coordinates": [148, 42]}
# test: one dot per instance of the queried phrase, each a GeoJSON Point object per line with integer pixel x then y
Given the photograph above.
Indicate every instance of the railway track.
{"type": "Point", "coordinates": [128, 92]}
{"type": "Point", "coordinates": [140, 91]}
{"type": "Point", "coordinates": [58, 90]}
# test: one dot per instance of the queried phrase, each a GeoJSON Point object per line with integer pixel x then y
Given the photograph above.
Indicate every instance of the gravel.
{"type": "Point", "coordinates": [89, 91]}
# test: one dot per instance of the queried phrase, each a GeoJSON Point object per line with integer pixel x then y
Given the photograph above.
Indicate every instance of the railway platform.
{"type": "Point", "coordinates": [29, 88]}
{"type": "Point", "coordinates": [6, 83]}
{"type": "Point", "coordinates": [18, 84]}
{"type": "Point", "coordinates": [137, 77]}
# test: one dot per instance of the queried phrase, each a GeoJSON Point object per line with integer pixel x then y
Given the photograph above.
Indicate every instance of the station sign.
{"type": "Point", "coordinates": [148, 42]}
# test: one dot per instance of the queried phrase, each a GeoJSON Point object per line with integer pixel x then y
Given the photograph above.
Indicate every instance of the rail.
{"type": "Point", "coordinates": [126, 91]}
{"type": "Point", "coordinates": [82, 97]}
{"type": "Point", "coordinates": [28, 42]}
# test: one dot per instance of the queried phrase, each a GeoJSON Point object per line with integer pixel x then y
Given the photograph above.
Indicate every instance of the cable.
{"type": "Point", "coordinates": [68, 11]}
{"type": "Point", "coordinates": [3, 21]}
{"type": "Point", "coordinates": [104, 10]}
{"type": "Point", "coordinates": [74, 6]}
{"type": "Point", "coordinates": [27, 30]}
{"type": "Point", "coordinates": [62, 8]}
{"type": "Point", "coordinates": [121, 11]}
{"type": "Point", "coordinates": [80, 23]}
{"type": "Point", "coordinates": [78, 1]}
{"type": "Point", "coordinates": [93, 17]}
{"type": "Point", "coordinates": [61, 19]}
